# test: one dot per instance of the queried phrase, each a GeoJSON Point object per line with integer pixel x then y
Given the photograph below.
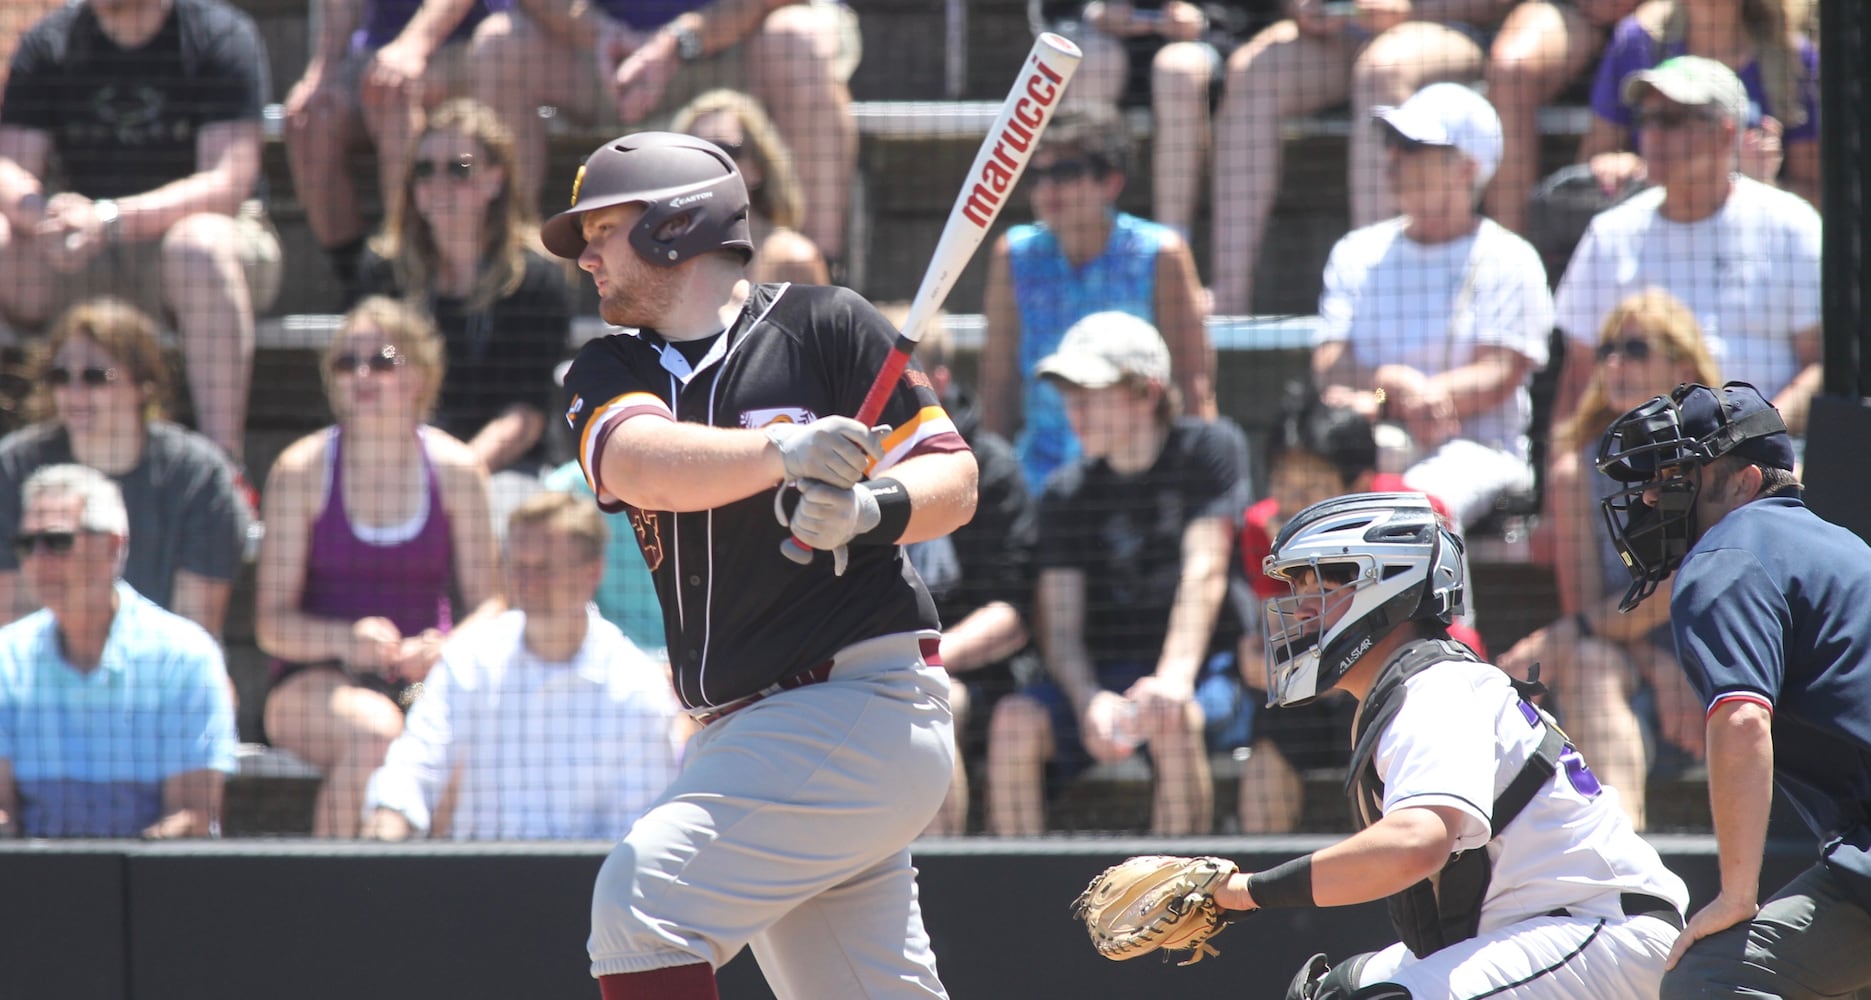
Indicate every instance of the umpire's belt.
{"type": "Point", "coordinates": [1639, 904]}
{"type": "Point", "coordinates": [930, 649]}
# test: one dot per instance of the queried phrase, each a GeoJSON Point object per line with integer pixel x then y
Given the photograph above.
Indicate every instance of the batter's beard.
{"type": "Point", "coordinates": [615, 313]}
{"type": "Point", "coordinates": [650, 298]}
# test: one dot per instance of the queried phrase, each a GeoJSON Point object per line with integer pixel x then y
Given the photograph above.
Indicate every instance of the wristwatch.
{"type": "Point", "coordinates": [688, 43]}
{"type": "Point", "coordinates": [107, 218]}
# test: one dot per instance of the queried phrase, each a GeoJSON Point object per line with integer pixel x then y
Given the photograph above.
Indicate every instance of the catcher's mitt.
{"type": "Point", "coordinates": [1156, 901]}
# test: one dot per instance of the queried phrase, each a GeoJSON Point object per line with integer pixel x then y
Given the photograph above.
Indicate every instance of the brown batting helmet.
{"type": "Point", "coordinates": [693, 198]}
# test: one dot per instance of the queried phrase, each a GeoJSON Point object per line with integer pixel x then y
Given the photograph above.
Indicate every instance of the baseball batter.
{"type": "Point", "coordinates": [1769, 614]}
{"type": "Point", "coordinates": [827, 742]}
{"type": "Point", "coordinates": [1509, 871]}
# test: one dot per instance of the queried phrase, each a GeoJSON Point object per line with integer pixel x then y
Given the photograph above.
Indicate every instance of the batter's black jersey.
{"type": "Point", "coordinates": [739, 615]}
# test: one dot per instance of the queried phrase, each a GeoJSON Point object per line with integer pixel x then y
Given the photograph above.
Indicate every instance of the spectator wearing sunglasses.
{"type": "Point", "coordinates": [459, 245]}
{"type": "Point", "coordinates": [115, 716]}
{"type": "Point", "coordinates": [1616, 674]}
{"type": "Point", "coordinates": [776, 205]}
{"type": "Point", "coordinates": [1374, 53]}
{"type": "Point", "coordinates": [1742, 254]}
{"type": "Point", "coordinates": [1761, 42]}
{"type": "Point", "coordinates": [1167, 55]}
{"type": "Point", "coordinates": [1443, 310]}
{"type": "Point", "coordinates": [371, 524]}
{"type": "Point", "coordinates": [100, 398]}
{"type": "Point", "coordinates": [376, 68]}
{"type": "Point", "coordinates": [150, 110]}
{"type": "Point", "coordinates": [1082, 256]}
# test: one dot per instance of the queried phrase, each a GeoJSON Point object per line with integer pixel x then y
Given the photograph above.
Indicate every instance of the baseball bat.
{"type": "Point", "coordinates": [1003, 157]}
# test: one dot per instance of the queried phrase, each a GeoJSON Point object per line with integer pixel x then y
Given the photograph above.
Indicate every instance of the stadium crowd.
{"type": "Point", "coordinates": [461, 646]}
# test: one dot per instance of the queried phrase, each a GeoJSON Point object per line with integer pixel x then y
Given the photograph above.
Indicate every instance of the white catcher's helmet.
{"type": "Point", "coordinates": [1398, 564]}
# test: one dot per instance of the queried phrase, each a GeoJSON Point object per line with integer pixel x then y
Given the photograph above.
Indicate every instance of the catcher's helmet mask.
{"type": "Point", "coordinates": [694, 199]}
{"type": "Point", "coordinates": [1653, 451]}
{"type": "Point", "coordinates": [1387, 559]}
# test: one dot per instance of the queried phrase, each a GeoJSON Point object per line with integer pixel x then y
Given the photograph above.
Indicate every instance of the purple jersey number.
{"type": "Point", "coordinates": [1583, 780]}
{"type": "Point", "coordinates": [1577, 772]}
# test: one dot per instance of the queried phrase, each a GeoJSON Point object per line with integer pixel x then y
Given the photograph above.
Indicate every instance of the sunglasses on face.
{"type": "Point", "coordinates": [1668, 119]}
{"type": "Point", "coordinates": [91, 376]}
{"type": "Point", "coordinates": [1063, 171]}
{"type": "Point", "coordinates": [379, 362]}
{"type": "Point", "coordinates": [460, 168]}
{"type": "Point", "coordinates": [55, 543]}
{"type": "Point", "coordinates": [1630, 348]}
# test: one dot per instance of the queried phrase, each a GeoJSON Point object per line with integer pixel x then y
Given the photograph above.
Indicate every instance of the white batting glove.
{"type": "Point", "coordinates": [834, 450]}
{"type": "Point", "coordinates": [829, 518]}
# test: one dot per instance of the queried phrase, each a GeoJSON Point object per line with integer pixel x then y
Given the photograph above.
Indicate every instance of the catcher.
{"type": "Point", "coordinates": [1510, 872]}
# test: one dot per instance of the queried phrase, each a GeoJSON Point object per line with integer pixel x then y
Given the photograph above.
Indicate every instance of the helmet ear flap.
{"type": "Point", "coordinates": [674, 228]}
{"type": "Point", "coordinates": [1447, 579]}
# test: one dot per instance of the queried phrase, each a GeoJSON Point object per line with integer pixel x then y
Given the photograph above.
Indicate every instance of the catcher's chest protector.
{"type": "Point", "coordinates": [1446, 907]}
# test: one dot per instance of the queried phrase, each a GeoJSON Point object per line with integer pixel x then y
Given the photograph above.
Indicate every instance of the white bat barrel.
{"type": "Point", "coordinates": [1036, 94]}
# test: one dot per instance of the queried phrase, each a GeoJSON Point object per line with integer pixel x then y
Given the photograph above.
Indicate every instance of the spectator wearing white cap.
{"type": "Point", "coordinates": [1372, 52]}
{"type": "Point", "coordinates": [1140, 618]}
{"type": "Point", "coordinates": [1742, 254]}
{"type": "Point", "coordinates": [1442, 310]}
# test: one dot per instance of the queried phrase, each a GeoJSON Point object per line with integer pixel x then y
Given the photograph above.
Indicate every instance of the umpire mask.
{"type": "Point", "coordinates": [1654, 449]}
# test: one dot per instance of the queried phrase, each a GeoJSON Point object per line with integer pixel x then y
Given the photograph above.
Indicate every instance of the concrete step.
{"type": "Point", "coordinates": [271, 795]}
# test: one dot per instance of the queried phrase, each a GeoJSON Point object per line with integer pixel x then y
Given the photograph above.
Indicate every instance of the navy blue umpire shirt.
{"type": "Point", "coordinates": [739, 615]}
{"type": "Point", "coordinates": [1770, 607]}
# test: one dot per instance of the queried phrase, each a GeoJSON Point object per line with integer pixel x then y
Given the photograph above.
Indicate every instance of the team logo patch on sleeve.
{"type": "Point", "coordinates": [649, 528]}
{"type": "Point", "coordinates": [571, 415]}
{"type": "Point", "coordinates": [754, 419]}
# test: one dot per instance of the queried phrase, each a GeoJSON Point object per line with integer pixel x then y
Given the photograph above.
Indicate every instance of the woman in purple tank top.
{"type": "Point", "coordinates": [370, 522]}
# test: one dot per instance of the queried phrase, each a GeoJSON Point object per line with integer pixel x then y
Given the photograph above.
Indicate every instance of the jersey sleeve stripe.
{"type": "Point", "coordinates": [928, 423]}
{"type": "Point", "coordinates": [1728, 696]}
{"type": "Point", "coordinates": [597, 428]}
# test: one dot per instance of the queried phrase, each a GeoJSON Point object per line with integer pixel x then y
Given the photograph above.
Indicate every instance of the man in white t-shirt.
{"type": "Point", "coordinates": [1742, 254]}
{"type": "Point", "coordinates": [1510, 872]}
{"type": "Point", "coordinates": [548, 723]}
{"type": "Point", "coordinates": [1444, 311]}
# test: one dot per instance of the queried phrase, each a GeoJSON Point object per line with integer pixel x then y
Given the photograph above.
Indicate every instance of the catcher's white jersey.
{"type": "Point", "coordinates": [1460, 736]}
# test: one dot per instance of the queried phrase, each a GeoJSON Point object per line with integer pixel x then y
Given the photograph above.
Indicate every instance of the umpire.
{"type": "Point", "coordinates": [1769, 609]}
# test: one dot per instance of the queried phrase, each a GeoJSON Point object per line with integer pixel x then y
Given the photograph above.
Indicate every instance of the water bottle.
{"type": "Point", "coordinates": [1126, 731]}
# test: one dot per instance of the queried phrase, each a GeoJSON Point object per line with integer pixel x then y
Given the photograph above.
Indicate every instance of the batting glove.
{"type": "Point", "coordinates": [829, 518]}
{"type": "Point", "coordinates": [834, 450]}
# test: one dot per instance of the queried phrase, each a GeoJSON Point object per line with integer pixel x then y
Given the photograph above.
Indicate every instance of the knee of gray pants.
{"type": "Point", "coordinates": [623, 938]}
